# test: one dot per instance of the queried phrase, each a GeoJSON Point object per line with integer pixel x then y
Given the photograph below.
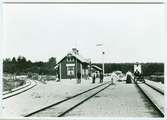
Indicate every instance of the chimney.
{"type": "Point", "coordinates": [75, 51]}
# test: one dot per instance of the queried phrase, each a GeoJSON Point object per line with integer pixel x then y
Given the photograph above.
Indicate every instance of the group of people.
{"type": "Point", "coordinates": [137, 76]}
{"type": "Point", "coordinates": [94, 75]}
{"type": "Point", "coordinates": [97, 75]}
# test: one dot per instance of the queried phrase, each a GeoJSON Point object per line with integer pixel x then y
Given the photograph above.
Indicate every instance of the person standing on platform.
{"type": "Point", "coordinates": [93, 77]}
{"type": "Point", "coordinates": [101, 77]}
{"type": "Point", "coordinates": [70, 75]}
{"type": "Point", "coordinates": [128, 77]}
{"type": "Point", "coordinates": [58, 76]}
{"type": "Point", "coordinates": [78, 77]}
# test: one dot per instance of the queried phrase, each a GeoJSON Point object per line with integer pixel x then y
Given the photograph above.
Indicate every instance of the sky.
{"type": "Point", "coordinates": [128, 32]}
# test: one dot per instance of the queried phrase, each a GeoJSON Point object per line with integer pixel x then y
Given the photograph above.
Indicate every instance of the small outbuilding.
{"type": "Point", "coordinates": [96, 68]}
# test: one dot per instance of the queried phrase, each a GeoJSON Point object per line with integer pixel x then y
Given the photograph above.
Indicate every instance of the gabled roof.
{"type": "Point", "coordinates": [80, 58]}
{"type": "Point", "coordinates": [77, 56]}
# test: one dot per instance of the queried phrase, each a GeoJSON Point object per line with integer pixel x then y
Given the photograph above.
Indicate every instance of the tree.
{"type": "Point", "coordinates": [21, 64]}
{"type": "Point", "coordinates": [7, 60]}
{"type": "Point", "coordinates": [52, 61]}
{"type": "Point", "coordinates": [14, 60]}
{"type": "Point", "coordinates": [49, 66]}
{"type": "Point", "coordinates": [21, 59]}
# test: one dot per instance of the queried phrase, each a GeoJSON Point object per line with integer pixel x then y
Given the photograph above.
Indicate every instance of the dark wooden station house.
{"type": "Point", "coordinates": [72, 63]}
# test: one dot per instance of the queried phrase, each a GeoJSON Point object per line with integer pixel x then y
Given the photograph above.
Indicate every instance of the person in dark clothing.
{"type": "Point", "coordinates": [93, 77]}
{"type": "Point", "coordinates": [97, 75]}
{"type": "Point", "coordinates": [58, 77]}
{"type": "Point", "coordinates": [128, 79]}
{"type": "Point", "coordinates": [70, 75]}
{"type": "Point", "coordinates": [78, 77]}
{"type": "Point", "coordinates": [101, 77]}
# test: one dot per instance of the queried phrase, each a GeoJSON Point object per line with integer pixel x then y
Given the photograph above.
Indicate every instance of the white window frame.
{"type": "Point", "coordinates": [70, 71]}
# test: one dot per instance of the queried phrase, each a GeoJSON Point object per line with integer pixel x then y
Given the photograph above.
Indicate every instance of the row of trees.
{"type": "Point", "coordinates": [21, 65]}
{"type": "Point", "coordinates": [153, 69]}
{"type": "Point", "coordinates": [147, 68]}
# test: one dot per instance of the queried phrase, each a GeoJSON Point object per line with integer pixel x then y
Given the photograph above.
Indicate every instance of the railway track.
{"type": "Point", "coordinates": [19, 90]}
{"type": "Point", "coordinates": [154, 95]}
{"type": "Point", "coordinates": [61, 108]}
{"type": "Point", "coordinates": [28, 83]}
{"type": "Point", "coordinates": [155, 88]}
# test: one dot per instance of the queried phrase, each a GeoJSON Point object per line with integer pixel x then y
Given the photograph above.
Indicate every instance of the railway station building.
{"type": "Point", "coordinates": [73, 62]}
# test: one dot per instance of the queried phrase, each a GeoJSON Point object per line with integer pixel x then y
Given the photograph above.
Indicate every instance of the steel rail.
{"type": "Point", "coordinates": [151, 101]}
{"type": "Point", "coordinates": [155, 88]}
{"type": "Point", "coordinates": [24, 86]}
{"type": "Point", "coordinates": [65, 100]}
{"type": "Point", "coordinates": [20, 91]}
{"type": "Point", "coordinates": [70, 109]}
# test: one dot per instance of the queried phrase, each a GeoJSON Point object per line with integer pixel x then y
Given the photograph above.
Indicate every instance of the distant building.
{"type": "Point", "coordinates": [73, 62]}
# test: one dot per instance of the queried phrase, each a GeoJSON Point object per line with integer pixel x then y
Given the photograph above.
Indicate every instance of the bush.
{"type": "Point", "coordinates": [8, 85]}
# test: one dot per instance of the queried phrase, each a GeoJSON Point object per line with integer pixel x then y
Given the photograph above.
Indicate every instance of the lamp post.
{"type": "Point", "coordinates": [103, 53]}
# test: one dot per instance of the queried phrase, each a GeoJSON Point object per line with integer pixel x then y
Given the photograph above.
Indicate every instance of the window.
{"type": "Point", "coordinates": [70, 69]}
{"type": "Point", "coordinates": [72, 59]}
{"type": "Point", "coordinates": [67, 59]}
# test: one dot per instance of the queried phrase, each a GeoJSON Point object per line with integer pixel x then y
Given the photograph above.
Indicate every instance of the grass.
{"type": "Point", "coordinates": [9, 84]}
{"type": "Point", "coordinates": [156, 78]}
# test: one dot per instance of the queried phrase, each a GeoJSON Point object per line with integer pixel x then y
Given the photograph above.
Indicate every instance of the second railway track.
{"type": "Point", "coordinates": [157, 89]}
{"type": "Point", "coordinates": [59, 109]}
{"type": "Point", "coordinates": [154, 95]}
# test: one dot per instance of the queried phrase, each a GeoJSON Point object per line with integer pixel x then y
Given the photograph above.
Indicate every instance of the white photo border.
{"type": "Point", "coordinates": [80, 2]}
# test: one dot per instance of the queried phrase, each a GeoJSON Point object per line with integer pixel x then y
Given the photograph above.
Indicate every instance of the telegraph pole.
{"type": "Point", "coordinates": [103, 62]}
{"type": "Point", "coordinates": [103, 53]}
